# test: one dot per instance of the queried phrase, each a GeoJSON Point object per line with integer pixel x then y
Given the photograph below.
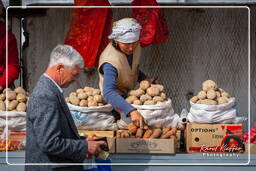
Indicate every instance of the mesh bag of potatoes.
{"type": "Point", "coordinates": [151, 101]}
{"type": "Point", "coordinates": [89, 110]}
{"type": "Point", "coordinates": [213, 105]}
{"type": "Point", "coordinates": [13, 103]}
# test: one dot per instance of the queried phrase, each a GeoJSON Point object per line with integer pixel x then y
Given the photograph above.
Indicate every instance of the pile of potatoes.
{"type": "Point", "coordinates": [147, 94]}
{"type": "Point", "coordinates": [16, 100]}
{"type": "Point", "coordinates": [165, 132]}
{"type": "Point", "coordinates": [211, 94]}
{"type": "Point", "coordinates": [86, 97]}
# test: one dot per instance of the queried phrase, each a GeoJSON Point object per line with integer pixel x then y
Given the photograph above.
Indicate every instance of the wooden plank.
{"type": "Point", "coordinates": [109, 134]}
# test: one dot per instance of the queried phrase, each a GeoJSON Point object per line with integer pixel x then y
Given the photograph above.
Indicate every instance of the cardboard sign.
{"type": "Point", "coordinates": [214, 138]}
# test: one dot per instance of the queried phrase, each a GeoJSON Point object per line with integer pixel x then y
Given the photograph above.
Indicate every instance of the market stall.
{"type": "Point", "coordinates": [201, 47]}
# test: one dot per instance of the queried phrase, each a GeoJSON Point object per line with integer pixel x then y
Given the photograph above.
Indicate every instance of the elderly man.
{"type": "Point", "coordinates": [52, 136]}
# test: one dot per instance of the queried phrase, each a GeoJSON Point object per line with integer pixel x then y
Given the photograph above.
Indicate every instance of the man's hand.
{"type": "Point", "coordinates": [94, 147]}
{"type": "Point", "coordinates": [137, 118]}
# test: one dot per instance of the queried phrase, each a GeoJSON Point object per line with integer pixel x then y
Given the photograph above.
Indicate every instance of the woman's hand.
{"type": "Point", "coordinates": [137, 118]}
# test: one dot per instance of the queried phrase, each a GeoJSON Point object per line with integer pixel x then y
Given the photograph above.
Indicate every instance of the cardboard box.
{"type": "Point", "coordinates": [252, 148]}
{"type": "Point", "coordinates": [111, 144]}
{"type": "Point", "coordinates": [145, 146]}
{"type": "Point", "coordinates": [16, 139]}
{"type": "Point", "coordinates": [213, 138]}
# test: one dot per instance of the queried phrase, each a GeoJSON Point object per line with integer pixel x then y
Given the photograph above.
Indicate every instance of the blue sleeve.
{"type": "Point", "coordinates": [109, 90]}
{"type": "Point", "coordinates": [142, 76]}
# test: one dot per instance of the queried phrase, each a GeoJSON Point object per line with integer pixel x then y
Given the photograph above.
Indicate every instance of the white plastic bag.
{"type": "Point", "coordinates": [223, 113]}
{"type": "Point", "coordinates": [16, 121]}
{"type": "Point", "coordinates": [160, 114]}
{"type": "Point", "coordinates": [93, 118]}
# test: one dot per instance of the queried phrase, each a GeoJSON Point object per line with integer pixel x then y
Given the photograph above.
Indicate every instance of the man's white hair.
{"type": "Point", "coordinates": [66, 55]}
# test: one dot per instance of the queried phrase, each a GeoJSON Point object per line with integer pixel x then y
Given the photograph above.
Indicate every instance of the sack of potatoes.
{"type": "Point", "coordinates": [147, 94]}
{"type": "Point", "coordinates": [211, 94]}
{"type": "Point", "coordinates": [13, 100]}
{"type": "Point", "coordinates": [86, 97]}
{"type": "Point", "coordinates": [165, 132]}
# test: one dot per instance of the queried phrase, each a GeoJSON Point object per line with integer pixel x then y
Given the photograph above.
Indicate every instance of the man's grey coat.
{"type": "Point", "coordinates": [52, 136]}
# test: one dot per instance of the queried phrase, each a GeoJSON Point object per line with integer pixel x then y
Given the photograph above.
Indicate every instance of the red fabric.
{"type": "Point", "coordinates": [13, 57]}
{"type": "Point", "coordinates": [154, 26]}
{"type": "Point", "coordinates": [89, 30]}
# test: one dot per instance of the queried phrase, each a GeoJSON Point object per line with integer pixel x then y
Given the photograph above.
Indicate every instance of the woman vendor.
{"type": "Point", "coordinates": [119, 67]}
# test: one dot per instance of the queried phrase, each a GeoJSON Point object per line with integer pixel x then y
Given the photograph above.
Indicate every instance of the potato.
{"type": "Point", "coordinates": [19, 90]}
{"type": "Point", "coordinates": [90, 98]}
{"type": "Point", "coordinates": [194, 99]}
{"type": "Point", "coordinates": [227, 99]}
{"type": "Point", "coordinates": [2, 106]}
{"type": "Point", "coordinates": [92, 103]}
{"type": "Point", "coordinates": [98, 98]}
{"type": "Point", "coordinates": [21, 107]}
{"type": "Point", "coordinates": [209, 85]}
{"type": "Point", "coordinates": [137, 102]}
{"type": "Point", "coordinates": [89, 93]}
{"type": "Point", "coordinates": [21, 98]}
{"type": "Point", "coordinates": [131, 93]}
{"type": "Point", "coordinates": [153, 91]}
{"type": "Point", "coordinates": [80, 90]}
{"type": "Point", "coordinates": [131, 99]}
{"type": "Point", "coordinates": [225, 94]}
{"type": "Point", "coordinates": [209, 102]}
{"type": "Point", "coordinates": [148, 133]}
{"type": "Point", "coordinates": [166, 129]}
{"type": "Point", "coordinates": [88, 89]}
{"type": "Point", "coordinates": [163, 95]}
{"type": "Point", "coordinates": [211, 94]}
{"type": "Point", "coordinates": [125, 134]}
{"type": "Point", "coordinates": [201, 95]}
{"type": "Point", "coordinates": [74, 100]}
{"type": "Point", "coordinates": [96, 92]}
{"type": "Point", "coordinates": [159, 102]}
{"type": "Point", "coordinates": [132, 128]}
{"type": "Point", "coordinates": [139, 92]}
{"type": "Point", "coordinates": [144, 85]}
{"type": "Point", "coordinates": [12, 105]}
{"type": "Point", "coordinates": [149, 102]}
{"type": "Point", "coordinates": [218, 94]}
{"type": "Point", "coordinates": [100, 104]}
{"type": "Point", "coordinates": [221, 90]}
{"type": "Point", "coordinates": [145, 97]}
{"type": "Point", "coordinates": [156, 133]}
{"type": "Point", "coordinates": [157, 99]}
{"type": "Point", "coordinates": [11, 95]}
{"type": "Point", "coordinates": [83, 103]}
{"type": "Point", "coordinates": [67, 99]}
{"type": "Point", "coordinates": [159, 86]}
{"type": "Point", "coordinates": [2, 96]}
{"type": "Point", "coordinates": [6, 89]}
{"type": "Point", "coordinates": [82, 96]}
{"type": "Point", "coordinates": [73, 94]}
{"type": "Point", "coordinates": [199, 102]}
{"type": "Point", "coordinates": [222, 100]}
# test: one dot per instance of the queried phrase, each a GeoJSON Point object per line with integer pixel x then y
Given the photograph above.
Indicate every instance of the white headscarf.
{"type": "Point", "coordinates": [126, 30]}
